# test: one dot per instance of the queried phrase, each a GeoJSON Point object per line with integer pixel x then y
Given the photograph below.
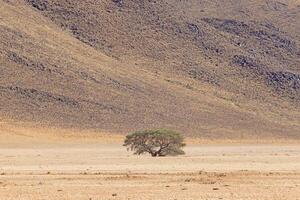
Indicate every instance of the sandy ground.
{"type": "Point", "coordinates": [107, 171]}
{"type": "Point", "coordinates": [52, 164]}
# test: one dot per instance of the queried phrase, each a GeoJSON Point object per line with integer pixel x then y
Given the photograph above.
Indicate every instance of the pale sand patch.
{"type": "Point", "coordinates": [39, 163]}
{"type": "Point", "coordinates": [99, 171]}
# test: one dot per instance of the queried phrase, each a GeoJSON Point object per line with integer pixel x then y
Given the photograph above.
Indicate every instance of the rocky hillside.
{"type": "Point", "coordinates": [226, 69]}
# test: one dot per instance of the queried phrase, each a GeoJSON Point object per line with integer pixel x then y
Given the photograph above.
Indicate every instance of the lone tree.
{"type": "Point", "coordinates": [160, 142]}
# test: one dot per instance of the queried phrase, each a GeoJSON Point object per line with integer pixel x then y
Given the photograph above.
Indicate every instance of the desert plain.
{"type": "Point", "coordinates": [225, 73]}
{"type": "Point", "coordinates": [42, 165]}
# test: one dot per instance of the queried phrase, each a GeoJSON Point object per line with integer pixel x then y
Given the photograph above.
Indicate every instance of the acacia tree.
{"type": "Point", "coordinates": [159, 142]}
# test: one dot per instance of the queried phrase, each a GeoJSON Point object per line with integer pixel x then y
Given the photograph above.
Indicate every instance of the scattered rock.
{"type": "Point", "coordinates": [250, 65]}
{"type": "Point", "coordinates": [119, 2]}
{"type": "Point", "coordinates": [202, 75]}
{"type": "Point", "coordinates": [285, 82]}
{"type": "Point", "coordinates": [41, 96]}
{"type": "Point", "coordinates": [39, 4]}
{"type": "Point", "coordinates": [228, 25]}
{"type": "Point", "coordinates": [34, 65]}
{"type": "Point", "coordinates": [266, 34]}
{"type": "Point", "coordinates": [275, 6]}
{"type": "Point", "coordinates": [194, 28]}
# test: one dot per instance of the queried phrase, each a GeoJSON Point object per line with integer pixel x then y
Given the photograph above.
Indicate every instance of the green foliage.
{"type": "Point", "coordinates": [159, 142]}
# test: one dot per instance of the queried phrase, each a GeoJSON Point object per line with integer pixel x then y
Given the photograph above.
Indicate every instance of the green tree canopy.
{"type": "Point", "coordinates": [159, 142]}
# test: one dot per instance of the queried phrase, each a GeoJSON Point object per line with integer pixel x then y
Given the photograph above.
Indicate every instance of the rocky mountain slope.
{"type": "Point", "coordinates": [226, 69]}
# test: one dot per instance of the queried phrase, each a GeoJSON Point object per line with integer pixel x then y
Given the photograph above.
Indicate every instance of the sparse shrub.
{"type": "Point", "coordinates": [159, 142]}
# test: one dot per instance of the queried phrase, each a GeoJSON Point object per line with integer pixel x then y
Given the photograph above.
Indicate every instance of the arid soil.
{"type": "Point", "coordinates": [69, 169]}
{"type": "Point", "coordinates": [224, 73]}
{"type": "Point", "coordinates": [239, 185]}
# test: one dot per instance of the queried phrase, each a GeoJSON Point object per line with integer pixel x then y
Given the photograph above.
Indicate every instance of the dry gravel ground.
{"type": "Point", "coordinates": [74, 171]}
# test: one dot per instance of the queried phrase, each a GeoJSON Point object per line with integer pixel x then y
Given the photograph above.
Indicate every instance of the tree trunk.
{"type": "Point", "coordinates": [155, 154]}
